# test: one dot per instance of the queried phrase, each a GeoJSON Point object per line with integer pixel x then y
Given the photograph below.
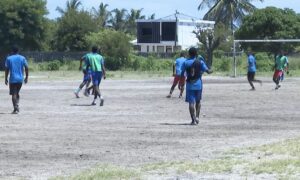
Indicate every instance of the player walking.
{"type": "Point", "coordinates": [87, 74]}
{"type": "Point", "coordinates": [14, 67]}
{"type": "Point", "coordinates": [194, 68]}
{"type": "Point", "coordinates": [177, 75]}
{"type": "Point", "coordinates": [96, 63]}
{"type": "Point", "coordinates": [280, 65]}
{"type": "Point", "coordinates": [252, 70]}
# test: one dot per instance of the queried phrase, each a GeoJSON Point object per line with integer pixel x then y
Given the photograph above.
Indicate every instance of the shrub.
{"type": "Point", "coordinates": [53, 65]}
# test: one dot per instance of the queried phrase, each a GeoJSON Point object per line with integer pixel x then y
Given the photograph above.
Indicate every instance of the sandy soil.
{"type": "Point", "coordinates": [57, 134]}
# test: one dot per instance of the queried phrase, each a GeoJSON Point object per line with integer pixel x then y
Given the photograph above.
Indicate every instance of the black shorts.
{"type": "Point", "coordinates": [251, 76]}
{"type": "Point", "coordinates": [14, 88]}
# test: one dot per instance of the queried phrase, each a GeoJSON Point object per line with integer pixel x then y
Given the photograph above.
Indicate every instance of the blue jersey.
{"type": "Point", "coordinates": [178, 64]}
{"type": "Point", "coordinates": [15, 64]}
{"type": "Point", "coordinates": [197, 85]}
{"type": "Point", "coordinates": [251, 63]}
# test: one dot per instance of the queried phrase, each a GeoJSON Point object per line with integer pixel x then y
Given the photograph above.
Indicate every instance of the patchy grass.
{"type": "Point", "coordinates": [104, 172]}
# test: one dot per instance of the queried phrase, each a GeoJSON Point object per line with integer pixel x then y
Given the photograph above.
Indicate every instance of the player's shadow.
{"type": "Point", "coordinates": [175, 124]}
{"type": "Point", "coordinates": [81, 105]}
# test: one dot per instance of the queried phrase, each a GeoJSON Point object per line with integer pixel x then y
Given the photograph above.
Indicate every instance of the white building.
{"type": "Point", "coordinates": [168, 35]}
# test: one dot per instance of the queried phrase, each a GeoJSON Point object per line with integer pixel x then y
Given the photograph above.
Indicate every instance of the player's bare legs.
{"type": "Point", "coordinates": [15, 101]}
{"type": "Point", "coordinates": [181, 88]}
{"type": "Point", "coordinates": [192, 113]}
{"type": "Point", "coordinates": [97, 94]}
{"type": "Point", "coordinates": [171, 90]}
{"type": "Point", "coordinates": [198, 107]}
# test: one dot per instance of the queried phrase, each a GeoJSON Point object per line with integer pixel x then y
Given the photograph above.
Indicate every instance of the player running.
{"type": "Point", "coordinates": [252, 70]}
{"type": "Point", "coordinates": [96, 63]}
{"type": "Point", "coordinates": [14, 67]}
{"type": "Point", "coordinates": [87, 76]}
{"type": "Point", "coordinates": [177, 75]}
{"type": "Point", "coordinates": [280, 65]}
{"type": "Point", "coordinates": [194, 68]}
{"type": "Point", "coordinates": [286, 69]}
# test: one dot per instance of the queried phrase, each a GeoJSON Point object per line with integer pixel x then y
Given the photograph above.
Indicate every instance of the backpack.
{"type": "Point", "coordinates": [193, 72]}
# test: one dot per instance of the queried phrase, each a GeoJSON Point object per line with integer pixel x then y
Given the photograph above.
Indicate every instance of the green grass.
{"type": "Point", "coordinates": [280, 160]}
{"type": "Point", "coordinates": [104, 172]}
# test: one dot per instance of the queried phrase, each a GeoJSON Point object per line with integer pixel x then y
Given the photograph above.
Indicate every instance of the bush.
{"type": "Point", "coordinates": [222, 64]}
{"type": "Point", "coordinates": [53, 65]}
{"type": "Point", "coordinates": [264, 62]}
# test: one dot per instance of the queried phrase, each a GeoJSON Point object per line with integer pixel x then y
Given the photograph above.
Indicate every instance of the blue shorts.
{"type": "Point", "coordinates": [96, 77]}
{"type": "Point", "coordinates": [87, 75]}
{"type": "Point", "coordinates": [193, 96]}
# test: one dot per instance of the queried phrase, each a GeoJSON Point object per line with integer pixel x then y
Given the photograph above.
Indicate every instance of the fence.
{"type": "Point", "coordinates": [50, 56]}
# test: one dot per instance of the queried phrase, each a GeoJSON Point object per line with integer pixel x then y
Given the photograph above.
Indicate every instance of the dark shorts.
{"type": "Point", "coordinates": [180, 80]}
{"type": "Point", "coordinates": [14, 88]}
{"type": "Point", "coordinates": [96, 77]}
{"type": "Point", "coordinates": [87, 76]}
{"type": "Point", "coordinates": [193, 96]}
{"type": "Point", "coordinates": [250, 76]}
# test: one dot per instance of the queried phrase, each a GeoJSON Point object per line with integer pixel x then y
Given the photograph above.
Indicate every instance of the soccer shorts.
{"type": "Point", "coordinates": [179, 79]}
{"type": "Point", "coordinates": [277, 74]}
{"type": "Point", "coordinates": [96, 77]}
{"type": "Point", "coordinates": [14, 88]}
{"type": "Point", "coordinates": [193, 96]}
{"type": "Point", "coordinates": [87, 75]}
{"type": "Point", "coordinates": [250, 76]}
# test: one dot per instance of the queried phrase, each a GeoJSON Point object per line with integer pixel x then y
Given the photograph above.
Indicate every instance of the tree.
{"type": "Point", "coordinates": [72, 5]}
{"type": "Point", "coordinates": [119, 19]}
{"type": "Point", "coordinates": [227, 11]}
{"type": "Point", "coordinates": [114, 45]}
{"type": "Point", "coordinates": [270, 23]}
{"type": "Point", "coordinates": [22, 24]}
{"type": "Point", "coordinates": [101, 15]}
{"type": "Point", "coordinates": [211, 39]}
{"type": "Point", "coordinates": [72, 28]}
{"type": "Point", "coordinates": [131, 18]}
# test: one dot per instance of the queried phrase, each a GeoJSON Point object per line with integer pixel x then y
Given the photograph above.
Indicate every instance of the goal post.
{"type": "Point", "coordinates": [255, 41]}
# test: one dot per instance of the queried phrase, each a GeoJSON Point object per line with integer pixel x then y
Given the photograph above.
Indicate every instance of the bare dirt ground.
{"type": "Point", "coordinates": [57, 134]}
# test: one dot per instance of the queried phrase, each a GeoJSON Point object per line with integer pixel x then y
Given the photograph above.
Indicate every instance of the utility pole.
{"type": "Point", "coordinates": [176, 29]}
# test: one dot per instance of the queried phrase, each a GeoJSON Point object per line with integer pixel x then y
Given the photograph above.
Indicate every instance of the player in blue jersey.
{"type": "Point", "coordinates": [194, 68]}
{"type": "Point", "coordinates": [14, 67]}
{"type": "Point", "coordinates": [87, 76]}
{"type": "Point", "coordinates": [177, 75]}
{"type": "Point", "coordinates": [252, 71]}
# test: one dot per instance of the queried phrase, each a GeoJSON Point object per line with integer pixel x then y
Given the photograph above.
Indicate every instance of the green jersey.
{"type": "Point", "coordinates": [280, 62]}
{"type": "Point", "coordinates": [85, 62]}
{"type": "Point", "coordinates": [95, 61]}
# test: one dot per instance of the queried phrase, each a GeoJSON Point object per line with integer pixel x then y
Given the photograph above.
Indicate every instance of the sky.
{"type": "Point", "coordinates": [162, 8]}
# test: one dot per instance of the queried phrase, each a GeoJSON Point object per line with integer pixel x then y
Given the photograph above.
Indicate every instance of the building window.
{"type": "Point", "coordinates": [153, 48]}
{"type": "Point", "coordinates": [168, 49]}
{"type": "Point", "coordinates": [177, 48]}
{"type": "Point", "coordinates": [160, 49]}
{"type": "Point", "coordinates": [147, 48]}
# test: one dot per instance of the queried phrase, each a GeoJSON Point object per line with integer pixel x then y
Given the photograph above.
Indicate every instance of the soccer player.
{"type": "Point", "coordinates": [14, 67]}
{"type": "Point", "coordinates": [280, 64]}
{"type": "Point", "coordinates": [96, 63]}
{"type": "Point", "coordinates": [87, 75]}
{"type": "Point", "coordinates": [177, 75]}
{"type": "Point", "coordinates": [194, 68]}
{"type": "Point", "coordinates": [286, 68]}
{"type": "Point", "coordinates": [252, 70]}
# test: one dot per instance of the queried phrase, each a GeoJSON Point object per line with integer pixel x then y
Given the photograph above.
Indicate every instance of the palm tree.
{"type": "Point", "coordinates": [131, 18]}
{"type": "Point", "coordinates": [119, 19]}
{"type": "Point", "coordinates": [102, 15]}
{"type": "Point", "coordinates": [70, 6]}
{"type": "Point", "coordinates": [227, 11]}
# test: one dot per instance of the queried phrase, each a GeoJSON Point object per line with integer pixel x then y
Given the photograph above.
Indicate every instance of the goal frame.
{"type": "Point", "coordinates": [255, 41]}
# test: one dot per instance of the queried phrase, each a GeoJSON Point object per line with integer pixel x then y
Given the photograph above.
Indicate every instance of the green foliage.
{"type": "Point", "coordinates": [264, 62]}
{"type": "Point", "coordinates": [72, 28]}
{"type": "Point", "coordinates": [222, 64]}
{"type": "Point", "coordinates": [22, 23]}
{"type": "Point", "coordinates": [270, 23]}
{"type": "Point", "coordinates": [53, 65]}
{"type": "Point", "coordinates": [114, 45]}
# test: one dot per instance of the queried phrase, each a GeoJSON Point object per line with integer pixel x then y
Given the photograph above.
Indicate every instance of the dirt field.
{"type": "Point", "coordinates": [57, 134]}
